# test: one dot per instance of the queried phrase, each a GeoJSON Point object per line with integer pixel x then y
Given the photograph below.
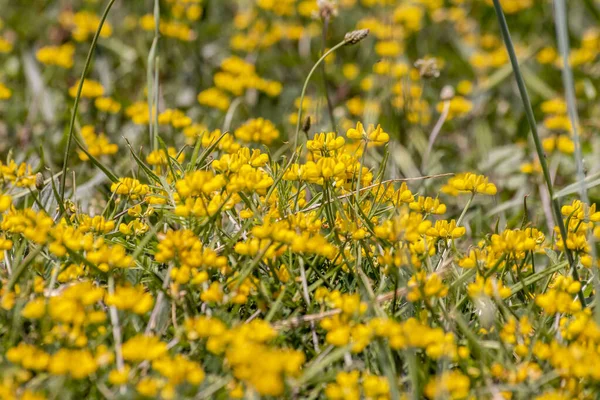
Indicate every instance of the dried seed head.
{"type": "Point", "coordinates": [428, 68]}
{"type": "Point", "coordinates": [356, 36]}
{"type": "Point", "coordinates": [39, 181]}
{"type": "Point", "coordinates": [306, 125]}
{"type": "Point", "coordinates": [447, 93]}
{"type": "Point", "coordinates": [326, 9]}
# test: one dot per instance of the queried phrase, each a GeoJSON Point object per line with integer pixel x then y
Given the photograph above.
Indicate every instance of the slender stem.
{"type": "Point", "coordinates": [562, 34]}
{"type": "Point", "coordinates": [78, 97]}
{"type": "Point", "coordinates": [295, 153]}
{"type": "Point", "coordinates": [150, 80]}
{"type": "Point", "coordinates": [114, 319]}
{"type": "Point", "coordinates": [324, 73]}
{"type": "Point", "coordinates": [458, 223]}
{"type": "Point", "coordinates": [312, 71]}
{"type": "Point", "coordinates": [538, 144]}
{"type": "Point", "coordinates": [434, 133]}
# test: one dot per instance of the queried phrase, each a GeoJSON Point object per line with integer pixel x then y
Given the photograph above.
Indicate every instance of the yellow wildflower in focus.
{"type": "Point", "coordinates": [373, 136]}
{"type": "Point", "coordinates": [469, 182]}
{"type": "Point", "coordinates": [428, 205]}
{"type": "Point", "coordinates": [130, 187]}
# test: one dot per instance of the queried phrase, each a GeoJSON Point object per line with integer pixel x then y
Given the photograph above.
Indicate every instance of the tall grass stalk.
{"type": "Point", "coordinates": [562, 34]}
{"type": "Point", "coordinates": [86, 67]}
{"type": "Point", "coordinates": [536, 138]}
{"type": "Point", "coordinates": [152, 78]}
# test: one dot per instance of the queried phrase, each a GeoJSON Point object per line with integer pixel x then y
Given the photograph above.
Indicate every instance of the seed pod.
{"type": "Point", "coordinates": [356, 36]}
{"type": "Point", "coordinates": [447, 93]}
{"type": "Point", "coordinates": [39, 181]}
{"type": "Point", "coordinates": [306, 125]}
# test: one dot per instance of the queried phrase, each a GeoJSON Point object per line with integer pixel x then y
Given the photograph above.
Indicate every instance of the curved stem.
{"type": "Point", "coordinates": [324, 73]}
{"type": "Point", "coordinates": [78, 97]}
{"type": "Point", "coordinates": [312, 71]}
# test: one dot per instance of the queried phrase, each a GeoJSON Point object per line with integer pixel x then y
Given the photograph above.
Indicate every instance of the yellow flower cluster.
{"type": "Point", "coordinates": [5, 93]}
{"type": "Point", "coordinates": [469, 182]}
{"type": "Point", "coordinates": [107, 104]}
{"type": "Point", "coordinates": [19, 175]}
{"type": "Point", "coordinates": [97, 144]}
{"type": "Point", "coordinates": [561, 297]}
{"type": "Point", "coordinates": [245, 348]}
{"type": "Point", "coordinates": [169, 28]}
{"type": "Point", "coordinates": [214, 98]}
{"type": "Point", "coordinates": [258, 130]}
{"type": "Point", "coordinates": [83, 24]}
{"type": "Point", "coordinates": [61, 56]}
{"type": "Point", "coordinates": [347, 386]}
{"type": "Point", "coordinates": [193, 259]}
{"type": "Point", "coordinates": [133, 298]}
{"type": "Point", "coordinates": [130, 187]}
{"type": "Point", "coordinates": [90, 89]}
{"type": "Point", "coordinates": [78, 364]}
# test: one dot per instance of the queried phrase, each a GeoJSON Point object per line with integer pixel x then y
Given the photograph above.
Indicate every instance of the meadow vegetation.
{"type": "Point", "coordinates": [378, 199]}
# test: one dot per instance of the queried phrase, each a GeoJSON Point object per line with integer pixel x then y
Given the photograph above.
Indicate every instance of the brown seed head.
{"type": "Point", "coordinates": [356, 36]}
{"type": "Point", "coordinates": [306, 125]}
{"type": "Point", "coordinates": [39, 181]}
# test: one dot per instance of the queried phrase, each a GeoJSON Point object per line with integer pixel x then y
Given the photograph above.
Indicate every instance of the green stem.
{"type": "Point", "coordinates": [324, 73]}
{"type": "Point", "coordinates": [78, 97]}
{"type": "Point", "coordinates": [562, 34]}
{"type": "Point", "coordinates": [151, 79]}
{"type": "Point", "coordinates": [536, 138]}
{"type": "Point", "coordinates": [310, 74]}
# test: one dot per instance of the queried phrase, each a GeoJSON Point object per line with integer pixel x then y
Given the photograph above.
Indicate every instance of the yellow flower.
{"type": "Point", "coordinates": [428, 205]}
{"type": "Point", "coordinates": [257, 130]}
{"type": "Point", "coordinates": [61, 56]}
{"type": "Point", "coordinates": [119, 377]}
{"type": "Point", "coordinates": [90, 89]}
{"type": "Point", "coordinates": [107, 104]}
{"type": "Point", "coordinates": [214, 98]}
{"type": "Point", "coordinates": [469, 182]}
{"type": "Point", "coordinates": [5, 93]}
{"type": "Point", "coordinates": [488, 287]}
{"type": "Point", "coordinates": [35, 309]}
{"type": "Point", "coordinates": [373, 136]}
{"type": "Point", "coordinates": [83, 24]}
{"type": "Point", "coordinates": [459, 106]}
{"type": "Point", "coordinates": [130, 187]}
{"type": "Point", "coordinates": [5, 45]}
{"type": "Point", "coordinates": [140, 348]}
{"type": "Point", "coordinates": [133, 298]}
{"type": "Point", "coordinates": [446, 230]}
{"type": "Point", "coordinates": [97, 144]}
{"type": "Point", "coordinates": [452, 384]}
